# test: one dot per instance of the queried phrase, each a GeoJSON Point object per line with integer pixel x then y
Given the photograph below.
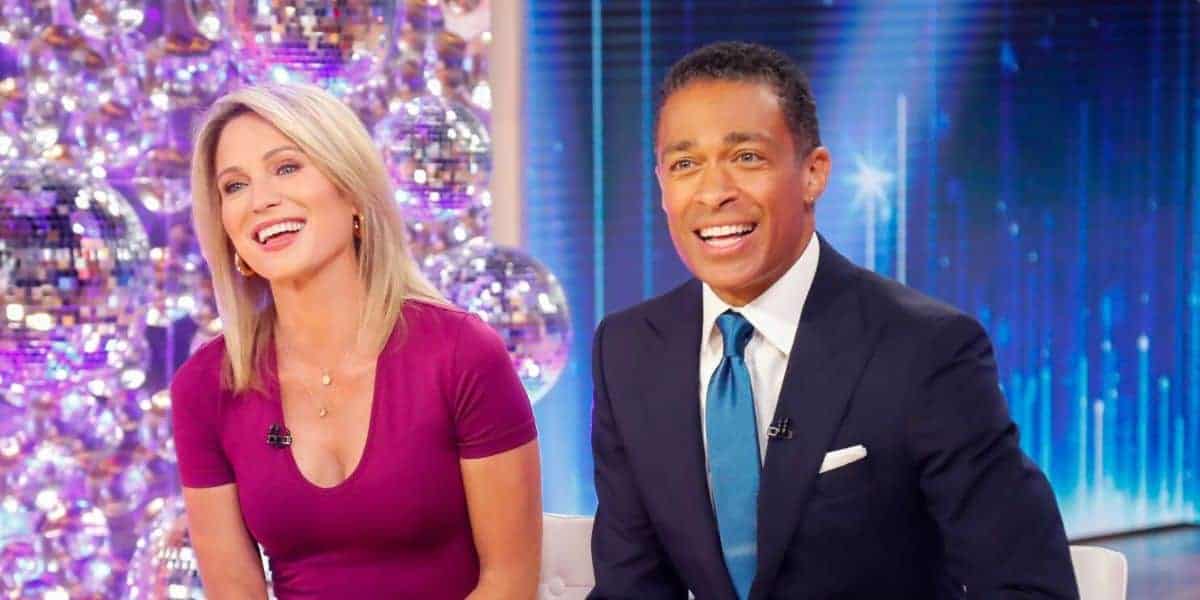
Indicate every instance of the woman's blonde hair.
{"type": "Point", "coordinates": [336, 141]}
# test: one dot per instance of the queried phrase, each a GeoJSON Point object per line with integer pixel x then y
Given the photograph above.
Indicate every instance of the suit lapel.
{"type": "Point", "coordinates": [831, 348]}
{"type": "Point", "coordinates": [672, 408]}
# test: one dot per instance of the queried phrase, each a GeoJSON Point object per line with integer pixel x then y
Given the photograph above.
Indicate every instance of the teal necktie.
{"type": "Point", "coordinates": [733, 461]}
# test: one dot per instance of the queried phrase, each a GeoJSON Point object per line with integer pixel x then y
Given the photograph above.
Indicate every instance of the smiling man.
{"type": "Point", "coordinates": [787, 424]}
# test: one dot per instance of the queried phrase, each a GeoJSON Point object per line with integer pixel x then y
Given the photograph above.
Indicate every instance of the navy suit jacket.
{"type": "Point", "coordinates": [945, 505]}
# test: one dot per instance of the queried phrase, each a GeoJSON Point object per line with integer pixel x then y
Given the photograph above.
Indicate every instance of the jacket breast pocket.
{"type": "Point", "coordinates": [845, 481]}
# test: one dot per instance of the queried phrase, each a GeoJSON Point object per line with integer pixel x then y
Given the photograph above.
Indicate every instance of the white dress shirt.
{"type": "Point", "coordinates": [775, 316]}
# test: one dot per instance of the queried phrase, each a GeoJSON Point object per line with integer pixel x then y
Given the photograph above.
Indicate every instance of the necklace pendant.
{"type": "Point", "coordinates": [326, 379]}
{"type": "Point", "coordinates": [324, 411]}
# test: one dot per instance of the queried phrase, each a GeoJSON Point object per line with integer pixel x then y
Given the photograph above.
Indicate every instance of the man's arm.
{"type": "Point", "coordinates": [1000, 526]}
{"type": "Point", "coordinates": [628, 560]}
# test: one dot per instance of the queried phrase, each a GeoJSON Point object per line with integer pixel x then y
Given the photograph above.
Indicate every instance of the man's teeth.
{"type": "Point", "coordinates": [267, 233]}
{"type": "Point", "coordinates": [726, 230]}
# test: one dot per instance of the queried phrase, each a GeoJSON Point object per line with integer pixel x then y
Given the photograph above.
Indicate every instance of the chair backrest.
{"type": "Point", "coordinates": [1101, 573]}
{"type": "Point", "coordinates": [566, 557]}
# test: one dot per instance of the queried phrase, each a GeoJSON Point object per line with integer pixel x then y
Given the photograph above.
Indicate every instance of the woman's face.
{"type": "Point", "coordinates": [285, 218]}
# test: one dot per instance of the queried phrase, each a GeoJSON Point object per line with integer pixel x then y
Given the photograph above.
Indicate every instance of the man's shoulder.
{"type": "Point", "coordinates": [907, 311]}
{"type": "Point", "coordinates": [658, 309]}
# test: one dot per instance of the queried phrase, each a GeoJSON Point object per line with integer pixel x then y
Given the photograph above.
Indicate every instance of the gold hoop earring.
{"type": "Point", "coordinates": [241, 266]}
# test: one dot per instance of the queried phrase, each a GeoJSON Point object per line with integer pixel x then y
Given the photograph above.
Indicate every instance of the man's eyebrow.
{"type": "Point", "coordinates": [680, 146]}
{"type": "Point", "coordinates": [737, 137]}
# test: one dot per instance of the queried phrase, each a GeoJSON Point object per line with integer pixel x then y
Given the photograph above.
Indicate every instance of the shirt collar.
{"type": "Point", "coordinates": [775, 314]}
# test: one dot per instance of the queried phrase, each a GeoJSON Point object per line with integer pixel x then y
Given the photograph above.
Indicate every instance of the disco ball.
{"type": "Point", "coordinates": [21, 19]}
{"type": "Point", "coordinates": [50, 469]}
{"type": "Point", "coordinates": [332, 44]}
{"type": "Point", "coordinates": [466, 19]}
{"type": "Point", "coordinates": [431, 236]}
{"type": "Point", "coordinates": [184, 69]}
{"type": "Point", "coordinates": [154, 427]}
{"type": "Point", "coordinates": [112, 134]}
{"type": "Point", "coordinates": [161, 183]}
{"type": "Point", "coordinates": [461, 7]}
{"type": "Point", "coordinates": [422, 15]}
{"type": "Point", "coordinates": [62, 69]}
{"type": "Point", "coordinates": [18, 431]}
{"type": "Point", "coordinates": [22, 550]}
{"type": "Point", "coordinates": [179, 277]}
{"type": "Point", "coordinates": [207, 16]}
{"type": "Point", "coordinates": [438, 154]}
{"type": "Point", "coordinates": [92, 420]}
{"type": "Point", "coordinates": [128, 481]}
{"type": "Point", "coordinates": [78, 541]}
{"type": "Point", "coordinates": [103, 18]}
{"type": "Point", "coordinates": [164, 563]}
{"type": "Point", "coordinates": [73, 261]}
{"type": "Point", "coordinates": [520, 298]}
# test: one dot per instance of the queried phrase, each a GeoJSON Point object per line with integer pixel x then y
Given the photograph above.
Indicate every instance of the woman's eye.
{"type": "Point", "coordinates": [232, 187]}
{"type": "Point", "coordinates": [287, 169]}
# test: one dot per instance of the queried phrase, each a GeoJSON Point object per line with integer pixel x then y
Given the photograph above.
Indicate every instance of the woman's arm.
{"type": "Point", "coordinates": [504, 499]}
{"type": "Point", "coordinates": [230, 566]}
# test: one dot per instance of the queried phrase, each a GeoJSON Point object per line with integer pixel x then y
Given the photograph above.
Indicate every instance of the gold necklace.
{"type": "Point", "coordinates": [326, 381]}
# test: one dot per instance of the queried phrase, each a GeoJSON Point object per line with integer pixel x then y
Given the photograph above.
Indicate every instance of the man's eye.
{"type": "Point", "coordinates": [748, 156]}
{"type": "Point", "coordinates": [683, 163]}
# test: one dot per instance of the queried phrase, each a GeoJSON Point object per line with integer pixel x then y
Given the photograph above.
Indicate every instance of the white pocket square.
{"type": "Point", "coordinates": [840, 458]}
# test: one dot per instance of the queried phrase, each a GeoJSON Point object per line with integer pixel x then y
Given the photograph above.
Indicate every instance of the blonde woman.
{"type": "Point", "coordinates": [374, 440]}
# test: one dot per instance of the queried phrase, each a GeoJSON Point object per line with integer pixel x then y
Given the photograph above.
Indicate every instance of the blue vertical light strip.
{"type": "Point", "coordinates": [1192, 376]}
{"type": "Point", "coordinates": [648, 158]}
{"type": "Point", "coordinates": [1081, 284]}
{"type": "Point", "coordinates": [1081, 375]}
{"type": "Point", "coordinates": [598, 270]}
{"type": "Point", "coordinates": [1178, 192]}
{"type": "Point", "coordinates": [932, 262]}
{"type": "Point", "coordinates": [902, 188]}
{"type": "Point", "coordinates": [1164, 439]}
{"type": "Point", "coordinates": [1046, 424]}
{"type": "Point", "coordinates": [1179, 467]}
{"type": "Point", "coordinates": [1143, 421]}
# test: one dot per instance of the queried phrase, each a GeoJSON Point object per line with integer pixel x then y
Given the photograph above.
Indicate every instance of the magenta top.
{"type": "Point", "coordinates": [398, 526]}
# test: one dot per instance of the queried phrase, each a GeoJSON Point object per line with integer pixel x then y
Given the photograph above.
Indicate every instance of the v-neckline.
{"type": "Point", "coordinates": [276, 393]}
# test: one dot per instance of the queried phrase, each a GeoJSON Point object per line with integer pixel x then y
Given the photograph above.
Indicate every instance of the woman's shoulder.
{"type": "Point", "coordinates": [202, 368]}
{"type": "Point", "coordinates": [445, 323]}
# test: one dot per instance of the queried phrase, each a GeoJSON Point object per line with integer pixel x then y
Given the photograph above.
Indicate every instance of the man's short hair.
{"type": "Point", "coordinates": [742, 61]}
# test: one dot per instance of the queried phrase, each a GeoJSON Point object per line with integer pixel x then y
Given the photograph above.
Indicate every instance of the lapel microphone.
{"type": "Point", "coordinates": [780, 429]}
{"type": "Point", "coordinates": [278, 436]}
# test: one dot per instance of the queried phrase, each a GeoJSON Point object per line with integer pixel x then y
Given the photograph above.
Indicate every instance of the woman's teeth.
{"type": "Point", "coordinates": [267, 233]}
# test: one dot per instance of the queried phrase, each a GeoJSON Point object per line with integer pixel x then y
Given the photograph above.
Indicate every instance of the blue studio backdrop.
{"type": "Point", "coordinates": [1035, 164]}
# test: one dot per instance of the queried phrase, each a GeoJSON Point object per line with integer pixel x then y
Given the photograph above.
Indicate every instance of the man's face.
{"type": "Point", "coordinates": [738, 195]}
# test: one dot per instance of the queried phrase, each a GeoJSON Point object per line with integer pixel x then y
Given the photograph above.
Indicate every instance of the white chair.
{"type": "Point", "coordinates": [1102, 574]}
{"type": "Point", "coordinates": [566, 557]}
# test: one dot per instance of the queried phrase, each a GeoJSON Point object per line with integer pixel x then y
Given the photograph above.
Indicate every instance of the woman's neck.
{"type": "Point", "coordinates": [318, 316]}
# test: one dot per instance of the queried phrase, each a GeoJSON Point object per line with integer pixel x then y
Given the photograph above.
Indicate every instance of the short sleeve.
{"type": "Point", "coordinates": [492, 413]}
{"type": "Point", "coordinates": [195, 404]}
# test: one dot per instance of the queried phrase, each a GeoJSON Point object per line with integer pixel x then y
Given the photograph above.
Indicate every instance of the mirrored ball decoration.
{"type": "Point", "coordinates": [447, 230]}
{"type": "Point", "coordinates": [73, 278]}
{"type": "Point", "coordinates": [519, 297]}
{"type": "Point", "coordinates": [331, 44]}
{"type": "Point", "coordinates": [180, 276]}
{"type": "Point", "coordinates": [438, 154]}
{"type": "Point", "coordinates": [184, 69]}
{"type": "Point", "coordinates": [22, 550]}
{"type": "Point", "coordinates": [61, 72]}
{"type": "Point", "coordinates": [105, 18]}
{"type": "Point", "coordinates": [164, 563]}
